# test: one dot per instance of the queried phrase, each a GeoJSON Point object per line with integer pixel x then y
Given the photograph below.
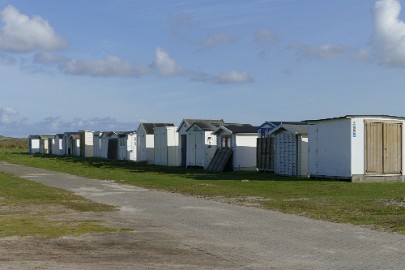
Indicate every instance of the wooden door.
{"type": "Point", "coordinates": [392, 148]}
{"type": "Point", "coordinates": [383, 147]}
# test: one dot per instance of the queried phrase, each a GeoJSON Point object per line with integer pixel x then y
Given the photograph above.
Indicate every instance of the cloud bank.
{"type": "Point", "coordinates": [110, 66]}
{"type": "Point", "coordinates": [389, 33]}
{"type": "Point", "coordinates": [13, 125]}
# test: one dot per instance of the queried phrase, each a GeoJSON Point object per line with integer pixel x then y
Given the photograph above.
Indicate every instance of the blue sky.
{"type": "Point", "coordinates": [108, 65]}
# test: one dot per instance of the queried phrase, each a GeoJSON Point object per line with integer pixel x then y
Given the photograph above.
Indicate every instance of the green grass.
{"type": "Point", "coordinates": [375, 205]}
{"type": "Point", "coordinates": [32, 209]}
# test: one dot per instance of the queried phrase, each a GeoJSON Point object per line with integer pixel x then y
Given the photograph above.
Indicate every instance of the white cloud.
{"type": "Point", "coordinates": [55, 125]}
{"type": "Point", "coordinates": [166, 65]}
{"type": "Point", "coordinates": [389, 33]}
{"type": "Point", "coordinates": [21, 33]}
{"type": "Point", "coordinates": [233, 77]}
{"type": "Point", "coordinates": [215, 40]}
{"type": "Point", "coordinates": [111, 66]}
{"type": "Point", "coordinates": [323, 51]}
{"type": "Point", "coordinates": [265, 36]}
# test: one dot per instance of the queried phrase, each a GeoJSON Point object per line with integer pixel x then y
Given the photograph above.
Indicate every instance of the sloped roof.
{"type": "Point", "coordinates": [70, 133]}
{"type": "Point", "coordinates": [275, 124]}
{"type": "Point", "coordinates": [296, 129]}
{"type": "Point", "coordinates": [189, 122]}
{"type": "Point", "coordinates": [75, 136]}
{"type": "Point", "coordinates": [46, 136]}
{"type": "Point", "coordinates": [148, 127]}
{"type": "Point", "coordinates": [33, 136]}
{"type": "Point", "coordinates": [360, 115]}
{"type": "Point", "coordinates": [238, 128]}
{"type": "Point", "coordinates": [241, 128]}
{"type": "Point", "coordinates": [206, 126]}
{"type": "Point", "coordinates": [122, 134]}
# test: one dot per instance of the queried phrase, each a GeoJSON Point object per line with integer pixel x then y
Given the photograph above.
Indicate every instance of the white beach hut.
{"type": "Point", "coordinates": [57, 145]}
{"type": "Point", "coordinates": [236, 147]}
{"type": "Point", "coordinates": [33, 144]}
{"type": "Point", "coordinates": [127, 146]}
{"type": "Point", "coordinates": [357, 147]}
{"type": "Point", "coordinates": [182, 134]}
{"type": "Point", "coordinates": [201, 143]}
{"type": "Point", "coordinates": [146, 141]}
{"type": "Point", "coordinates": [166, 146]}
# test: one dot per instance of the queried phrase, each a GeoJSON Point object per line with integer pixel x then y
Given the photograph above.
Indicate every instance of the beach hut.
{"type": "Point", "coordinates": [57, 145]}
{"type": "Point", "coordinates": [146, 141]}
{"type": "Point", "coordinates": [201, 143]}
{"type": "Point", "coordinates": [67, 144]}
{"type": "Point", "coordinates": [97, 143]}
{"type": "Point", "coordinates": [127, 146]}
{"type": "Point", "coordinates": [86, 143]}
{"type": "Point", "coordinates": [236, 148]}
{"type": "Point", "coordinates": [33, 144]}
{"type": "Point", "coordinates": [265, 144]}
{"type": "Point", "coordinates": [182, 134]}
{"type": "Point", "coordinates": [357, 147]}
{"type": "Point", "coordinates": [45, 144]}
{"type": "Point", "coordinates": [291, 149]}
{"type": "Point", "coordinates": [166, 140]}
{"type": "Point", "coordinates": [109, 145]}
{"type": "Point", "coordinates": [74, 144]}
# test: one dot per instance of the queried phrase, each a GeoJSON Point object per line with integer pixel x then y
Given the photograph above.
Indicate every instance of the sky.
{"type": "Point", "coordinates": [108, 65]}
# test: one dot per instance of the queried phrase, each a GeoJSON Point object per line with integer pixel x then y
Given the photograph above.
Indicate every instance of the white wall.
{"type": "Point", "coordinates": [34, 146]}
{"type": "Point", "coordinates": [358, 148]}
{"type": "Point", "coordinates": [166, 146]}
{"type": "Point", "coordinates": [145, 146]}
{"type": "Point", "coordinates": [57, 146]}
{"type": "Point", "coordinates": [329, 148]}
{"type": "Point", "coordinates": [244, 151]}
{"type": "Point", "coordinates": [303, 156]}
{"type": "Point", "coordinates": [86, 138]}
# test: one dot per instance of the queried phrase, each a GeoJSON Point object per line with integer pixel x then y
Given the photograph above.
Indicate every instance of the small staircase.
{"type": "Point", "coordinates": [219, 160]}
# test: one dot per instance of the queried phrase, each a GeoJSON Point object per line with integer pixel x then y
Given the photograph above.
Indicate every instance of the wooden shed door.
{"type": "Point", "coordinates": [383, 147]}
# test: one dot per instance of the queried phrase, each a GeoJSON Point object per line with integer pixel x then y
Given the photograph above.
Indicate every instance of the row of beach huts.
{"type": "Point", "coordinates": [353, 147]}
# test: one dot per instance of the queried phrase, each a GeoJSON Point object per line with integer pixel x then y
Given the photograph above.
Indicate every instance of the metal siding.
{"type": "Point", "coordinates": [285, 154]}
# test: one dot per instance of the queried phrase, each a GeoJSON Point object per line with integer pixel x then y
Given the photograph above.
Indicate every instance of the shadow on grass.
{"type": "Point", "coordinates": [194, 173]}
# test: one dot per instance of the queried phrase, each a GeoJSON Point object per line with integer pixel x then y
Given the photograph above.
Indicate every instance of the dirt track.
{"type": "Point", "coordinates": [172, 231]}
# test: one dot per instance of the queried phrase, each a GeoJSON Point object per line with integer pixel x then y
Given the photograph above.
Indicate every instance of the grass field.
{"type": "Point", "coordinates": [375, 205]}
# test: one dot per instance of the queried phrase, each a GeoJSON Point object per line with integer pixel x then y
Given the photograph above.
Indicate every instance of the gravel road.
{"type": "Point", "coordinates": [173, 231]}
